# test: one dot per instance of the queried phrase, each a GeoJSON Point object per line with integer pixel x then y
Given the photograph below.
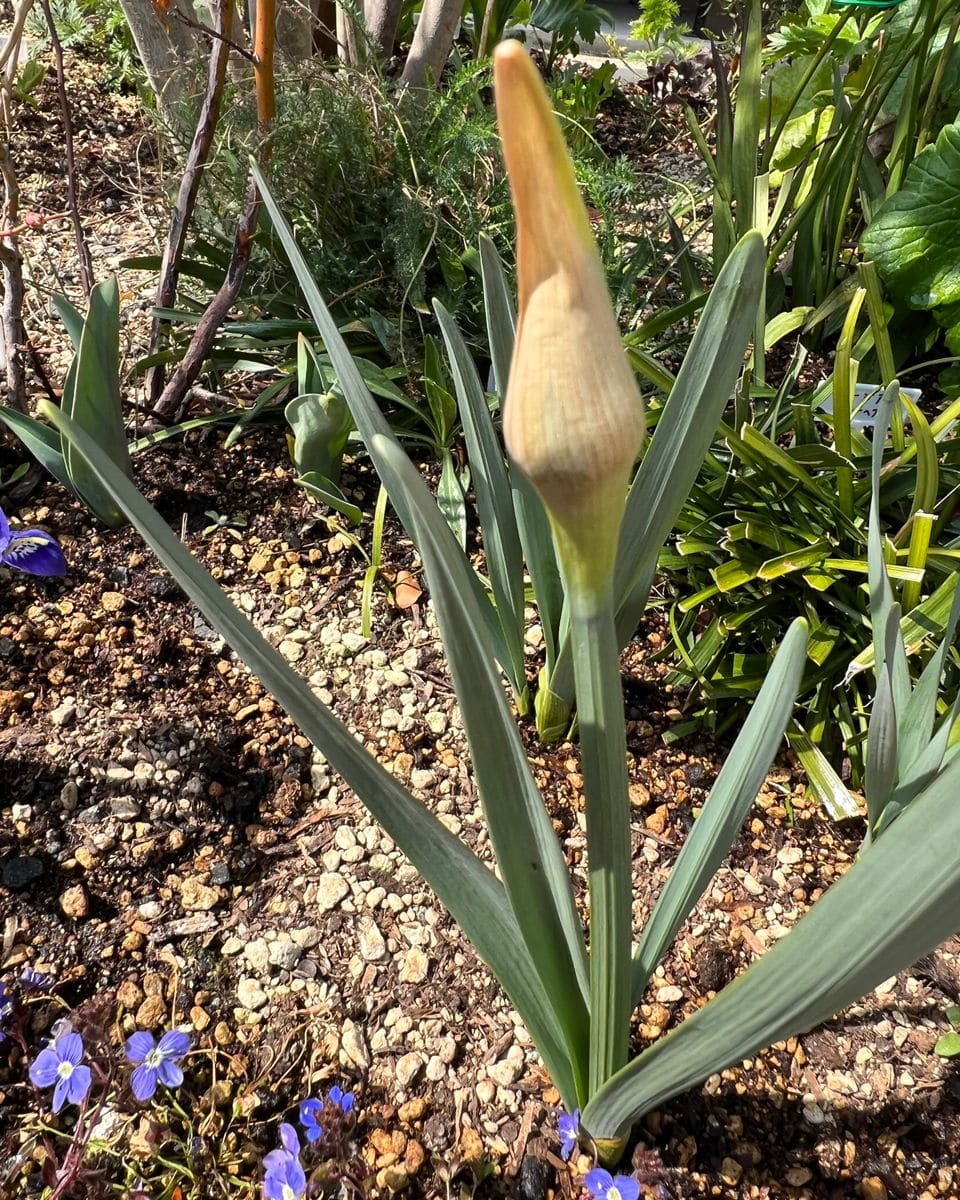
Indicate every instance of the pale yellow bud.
{"type": "Point", "coordinates": [573, 417]}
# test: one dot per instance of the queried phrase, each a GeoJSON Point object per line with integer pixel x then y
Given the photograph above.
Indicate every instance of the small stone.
{"type": "Point", "coordinates": [199, 1018]}
{"type": "Point", "coordinates": [392, 1179]}
{"type": "Point", "coordinates": [86, 857]}
{"type": "Point", "coordinates": [117, 774]}
{"type": "Point", "coordinates": [257, 954]}
{"type": "Point", "coordinates": [353, 1048]}
{"type": "Point", "coordinates": [75, 902]}
{"type": "Point", "coordinates": [372, 946]}
{"type": "Point", "coordinates": [486, 1091]}
{"type": "Point", "coordinates": [231, 946]}
{"type": "Point", "coordinates": [435, 1069]}
{"type": "Point", "coordinates": [873, 1188]}
{"type": "Point", "coordinates": [198, 897]}
{"type": "Point", "coordinates": [507, 1071]}
{"type": "Point", "coordinates": [414, 1157]}
{"type": "Point", "coordinates": [408, 1068]}
{"type": "Point", "coordinates": [669, 995]}
{"type": "Point", "coordinates": [331, 889]}
{"type": "Point", "coordinates": [798, 1176]}
{"type": "Point", "coordinates": [63, 714]}
{"type": "Point", "coordinates": [149, 910]}
{"type": "Point", "coordinates": [222, 1034]}
{"type": "Point", "coordinates": [414, 967]}
{"type": "Point", "coordinates": [129, 994]}
{"type": "Point", "coordinates": [20, 871]}
{"type": "Point", "coordinates": [124, 808]}
{"type": "Point", "coordinates": [112, 602]}
{"type": "Point", "coordinates": [730, 1171]}
{"type": "Point", "coordinates": [413, 1110]}
{"type": "Point", "coordinates": [151, 1013]}
{"type": "Point", "coordinates": [285, 954]}
{"type": "Point", "coordinates": [250, 994]}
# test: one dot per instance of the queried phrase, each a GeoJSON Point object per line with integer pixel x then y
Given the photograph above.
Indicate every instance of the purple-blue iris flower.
{"type": "Point", "coordinates": [568, 1127]}
{"type": "Point", "coordinates": [60, 1065]}
{"type": "Point", "coordinates": [30, 550]}
{"type": "Point", "coordinates": [285, 1178]}
{"type": "Point", "coordinates": [310, 1110]}
{"type": "Point", "coordinates": [159, 1062]}
{"type": "Point", "coordinates": [603, 1186]}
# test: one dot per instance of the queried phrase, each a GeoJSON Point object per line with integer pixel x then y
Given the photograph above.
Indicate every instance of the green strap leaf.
{"type": "Point", "coordinates": [727, 806]}
{"type": "Point", "coordinates": [531, 862]}
{"type": "Point", "coordinates": [468, 889]}
{"type": "Point", "coordinates": [908, 881]}
{"type": "Point", "coordinates": [93, 400]}
{"type": "Point", "coordinates": [501, 541]}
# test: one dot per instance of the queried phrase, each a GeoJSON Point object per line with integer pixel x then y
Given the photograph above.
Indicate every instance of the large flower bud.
{"type": "Point", "coordinates": [573, 418]}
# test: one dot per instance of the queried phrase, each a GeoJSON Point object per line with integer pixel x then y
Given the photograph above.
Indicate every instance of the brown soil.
{"type": "Point", "coordinates": [160, 817]}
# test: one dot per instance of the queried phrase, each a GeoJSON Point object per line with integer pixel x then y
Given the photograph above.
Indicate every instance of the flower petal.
{"type": "Point", "coordinates": [43, 1072]}
{"type": "Point", "coordinates": [143, 1082]}
{"type": "Point", "coordinates": [69, 1048]}
{"type": "Point", "coordinates": [35, 552]}
{"type": "Point", "coordinates": [170, 1074]}
{"type": "Point", "coordinates": [175, 1044]}
{"type": "Point", "coordinates": [139, 1045]}
{"type": "Point", "coordinates": [289, 1139]}
{"type": "Point", "coordinates": [598, 1182]}
{"type": "Point", "coordinates": [60, 1094]}
{"type": "Point", "coordinates": [628, 1187]}
{"type": "Point", "coordinates": [78, 1085]}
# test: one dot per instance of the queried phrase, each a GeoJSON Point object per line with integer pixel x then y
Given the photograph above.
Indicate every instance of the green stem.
{"type": "Point", "coordinates": [603, 748]}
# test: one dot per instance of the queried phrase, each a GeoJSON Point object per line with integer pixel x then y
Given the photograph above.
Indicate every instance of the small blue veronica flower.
{"type": "Point", "coordinates": [603, 1186]}
{"type": "Point", "coordinates": [30, 550]}
{"type": "Point", "coordinates": [337, 1098]}
{"type": "Point", "coordinates": [60, 1066]}
{"type": "Point", "coordinates": [568, 1127]}
{"type": "Point", "coordinates": [310, 1110]}
{"type": "Point", "coordinates": [159, 1062]}
{"type": "Point", "coordinates": [285, 1178]}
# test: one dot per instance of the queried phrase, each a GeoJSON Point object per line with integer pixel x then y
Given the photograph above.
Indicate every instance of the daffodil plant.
{"type": "Point", "coordinates": [573, 426]}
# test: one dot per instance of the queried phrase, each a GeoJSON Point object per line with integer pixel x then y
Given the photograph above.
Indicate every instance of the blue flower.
{"type": "Point", "coordinates": [337, 1098]}
{"type": "Point", "coordinates": [30, 550]}
{"type": "Point", "coordinates": [158, 1062]}
{"type": "Point", "coordinates": [33, 981]}
{"type": "Point", "coordinates": [6, 1008]}
{"type": "Point", "coordinates": [59, 1065]}
{"type": "Point", "coordinates": [285, 1178]}
{"type": "Point", "coordinates": [310, 1111]}
{"type": "Point", "coordinates": [568, 1127]}
{"type": "Point", "coordinates": [603, 1186]}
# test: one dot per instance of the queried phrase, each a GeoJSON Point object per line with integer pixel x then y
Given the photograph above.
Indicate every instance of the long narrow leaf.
{"type": "Point", "coordinates": [501, 541]}
{"type": "Point", "coordinates": [727, 806]}
{"type": "Point", "coordinates": [898, 902]}
{"type": "Point", "coordinates": [468, 889]}
{"type": "Point", "coordinates": [528, 853]}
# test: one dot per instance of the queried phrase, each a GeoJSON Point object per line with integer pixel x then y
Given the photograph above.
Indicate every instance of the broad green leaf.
{"type": "Point", "coordinates": [320, 425]}
{"type": "Point", "coordinates": [726, 807]}
{"type": "Point", "coordinates": [915, 237]}
{"type": "Point", "coordinates": [94, 400]}
{"type": "Point", "coordinates": [529, 856]}
{"type": "Point", "coordinates": [468, 889]}
{"type": "Point", "coordinates": [908, 881]}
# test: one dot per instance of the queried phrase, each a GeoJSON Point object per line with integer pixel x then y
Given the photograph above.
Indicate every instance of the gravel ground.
{"type": "Point", "coordinates": [173, 850]}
